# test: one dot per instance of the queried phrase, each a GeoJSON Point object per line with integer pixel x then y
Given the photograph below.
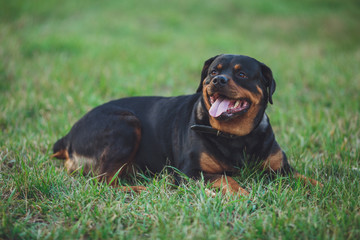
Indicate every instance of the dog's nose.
{"type": "Point", "coordinates": [219, 81]}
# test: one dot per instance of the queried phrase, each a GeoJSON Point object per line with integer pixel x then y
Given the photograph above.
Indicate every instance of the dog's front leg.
{"type": "Point", "coordinates": [277, 162]}
{"type": "Point", "coordinates": [225, 183]}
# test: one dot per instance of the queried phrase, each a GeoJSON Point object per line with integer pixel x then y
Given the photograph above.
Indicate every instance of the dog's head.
{"type": "Point", "coordinates": [236, 90]}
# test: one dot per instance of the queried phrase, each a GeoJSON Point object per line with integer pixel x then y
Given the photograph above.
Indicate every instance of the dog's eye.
{"type": "Point", "coordinates": [213, 72]}
{"type": "Point", "coordinates": [242, 75]}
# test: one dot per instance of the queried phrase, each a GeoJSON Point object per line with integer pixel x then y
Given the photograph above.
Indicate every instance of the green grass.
{"type": "Point", "coordinates": [60, 59]}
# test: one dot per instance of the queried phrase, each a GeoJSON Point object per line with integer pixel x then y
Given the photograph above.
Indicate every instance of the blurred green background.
{"type": "Point", "coordinates": [59, 59]}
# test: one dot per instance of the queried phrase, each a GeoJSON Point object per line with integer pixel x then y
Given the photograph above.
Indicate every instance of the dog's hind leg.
{"type": "Point", "coordinates": [104, 142]}
{"type": "Point", "coordinates": [117, 159]}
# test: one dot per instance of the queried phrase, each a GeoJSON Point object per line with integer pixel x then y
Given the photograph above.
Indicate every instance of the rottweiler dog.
{"type": "Point", "coordinates": [210, 134]}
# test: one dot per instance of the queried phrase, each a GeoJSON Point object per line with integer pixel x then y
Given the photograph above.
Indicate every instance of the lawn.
{"type": "Point", "coordinates": [59, 59]}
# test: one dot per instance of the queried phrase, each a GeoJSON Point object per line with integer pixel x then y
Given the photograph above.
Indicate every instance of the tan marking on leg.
{"type": "Point", "coordinates": [228, 184]}
{"type": "Point", "coordinates": [274, 162]}
{"type": "Point", "coordinates": [62, 154]}
{"type": "Point", "coordinates": [209, 164]}
{"type": "Point", "coordinates": [70, 166]}
{"type": "Point", "coordinates": [307, 180]}
{"type": "Point", "coordinates": [210, 193]}
{"type": "Point", "coordinates": [76, 162]}
{"type": "Point", "coordinates": [136, 189]}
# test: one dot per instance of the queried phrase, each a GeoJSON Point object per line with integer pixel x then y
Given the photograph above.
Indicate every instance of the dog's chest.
{"type": "Point", "coordinates": [232, 152]}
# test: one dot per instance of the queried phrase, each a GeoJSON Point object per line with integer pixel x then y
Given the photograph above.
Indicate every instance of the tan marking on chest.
{"type": "Point", "coordinates": [274, 162]}
{"type": "Point", "coordinates": [209, 164]}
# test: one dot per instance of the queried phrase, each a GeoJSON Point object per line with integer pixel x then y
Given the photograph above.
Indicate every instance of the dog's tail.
{"type": "Point", "coordinates": [60, 150]}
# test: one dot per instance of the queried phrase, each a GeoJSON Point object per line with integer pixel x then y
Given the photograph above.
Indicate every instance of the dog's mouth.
{"type": "Point", "coordinates": [223, 107]}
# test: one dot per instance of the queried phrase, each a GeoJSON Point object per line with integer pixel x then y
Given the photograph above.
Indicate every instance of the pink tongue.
{"type": "Point", "coordinates": [219, 106]}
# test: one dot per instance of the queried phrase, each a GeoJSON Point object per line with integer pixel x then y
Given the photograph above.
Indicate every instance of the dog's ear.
{"type": "Point", "coordinates": [269, 81]}
{"type": "Point", "coordinates": [204, 72]}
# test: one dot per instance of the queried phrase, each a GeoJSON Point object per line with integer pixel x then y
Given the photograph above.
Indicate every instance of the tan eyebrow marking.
{"type": "Point", "coordinates": [237, 67]}
{"type": "Point", "coordinates": [219, 66]}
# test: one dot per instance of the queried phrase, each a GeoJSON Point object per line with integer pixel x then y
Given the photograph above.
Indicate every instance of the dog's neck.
{"type": "Point", "coordinates": [210, 130]}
